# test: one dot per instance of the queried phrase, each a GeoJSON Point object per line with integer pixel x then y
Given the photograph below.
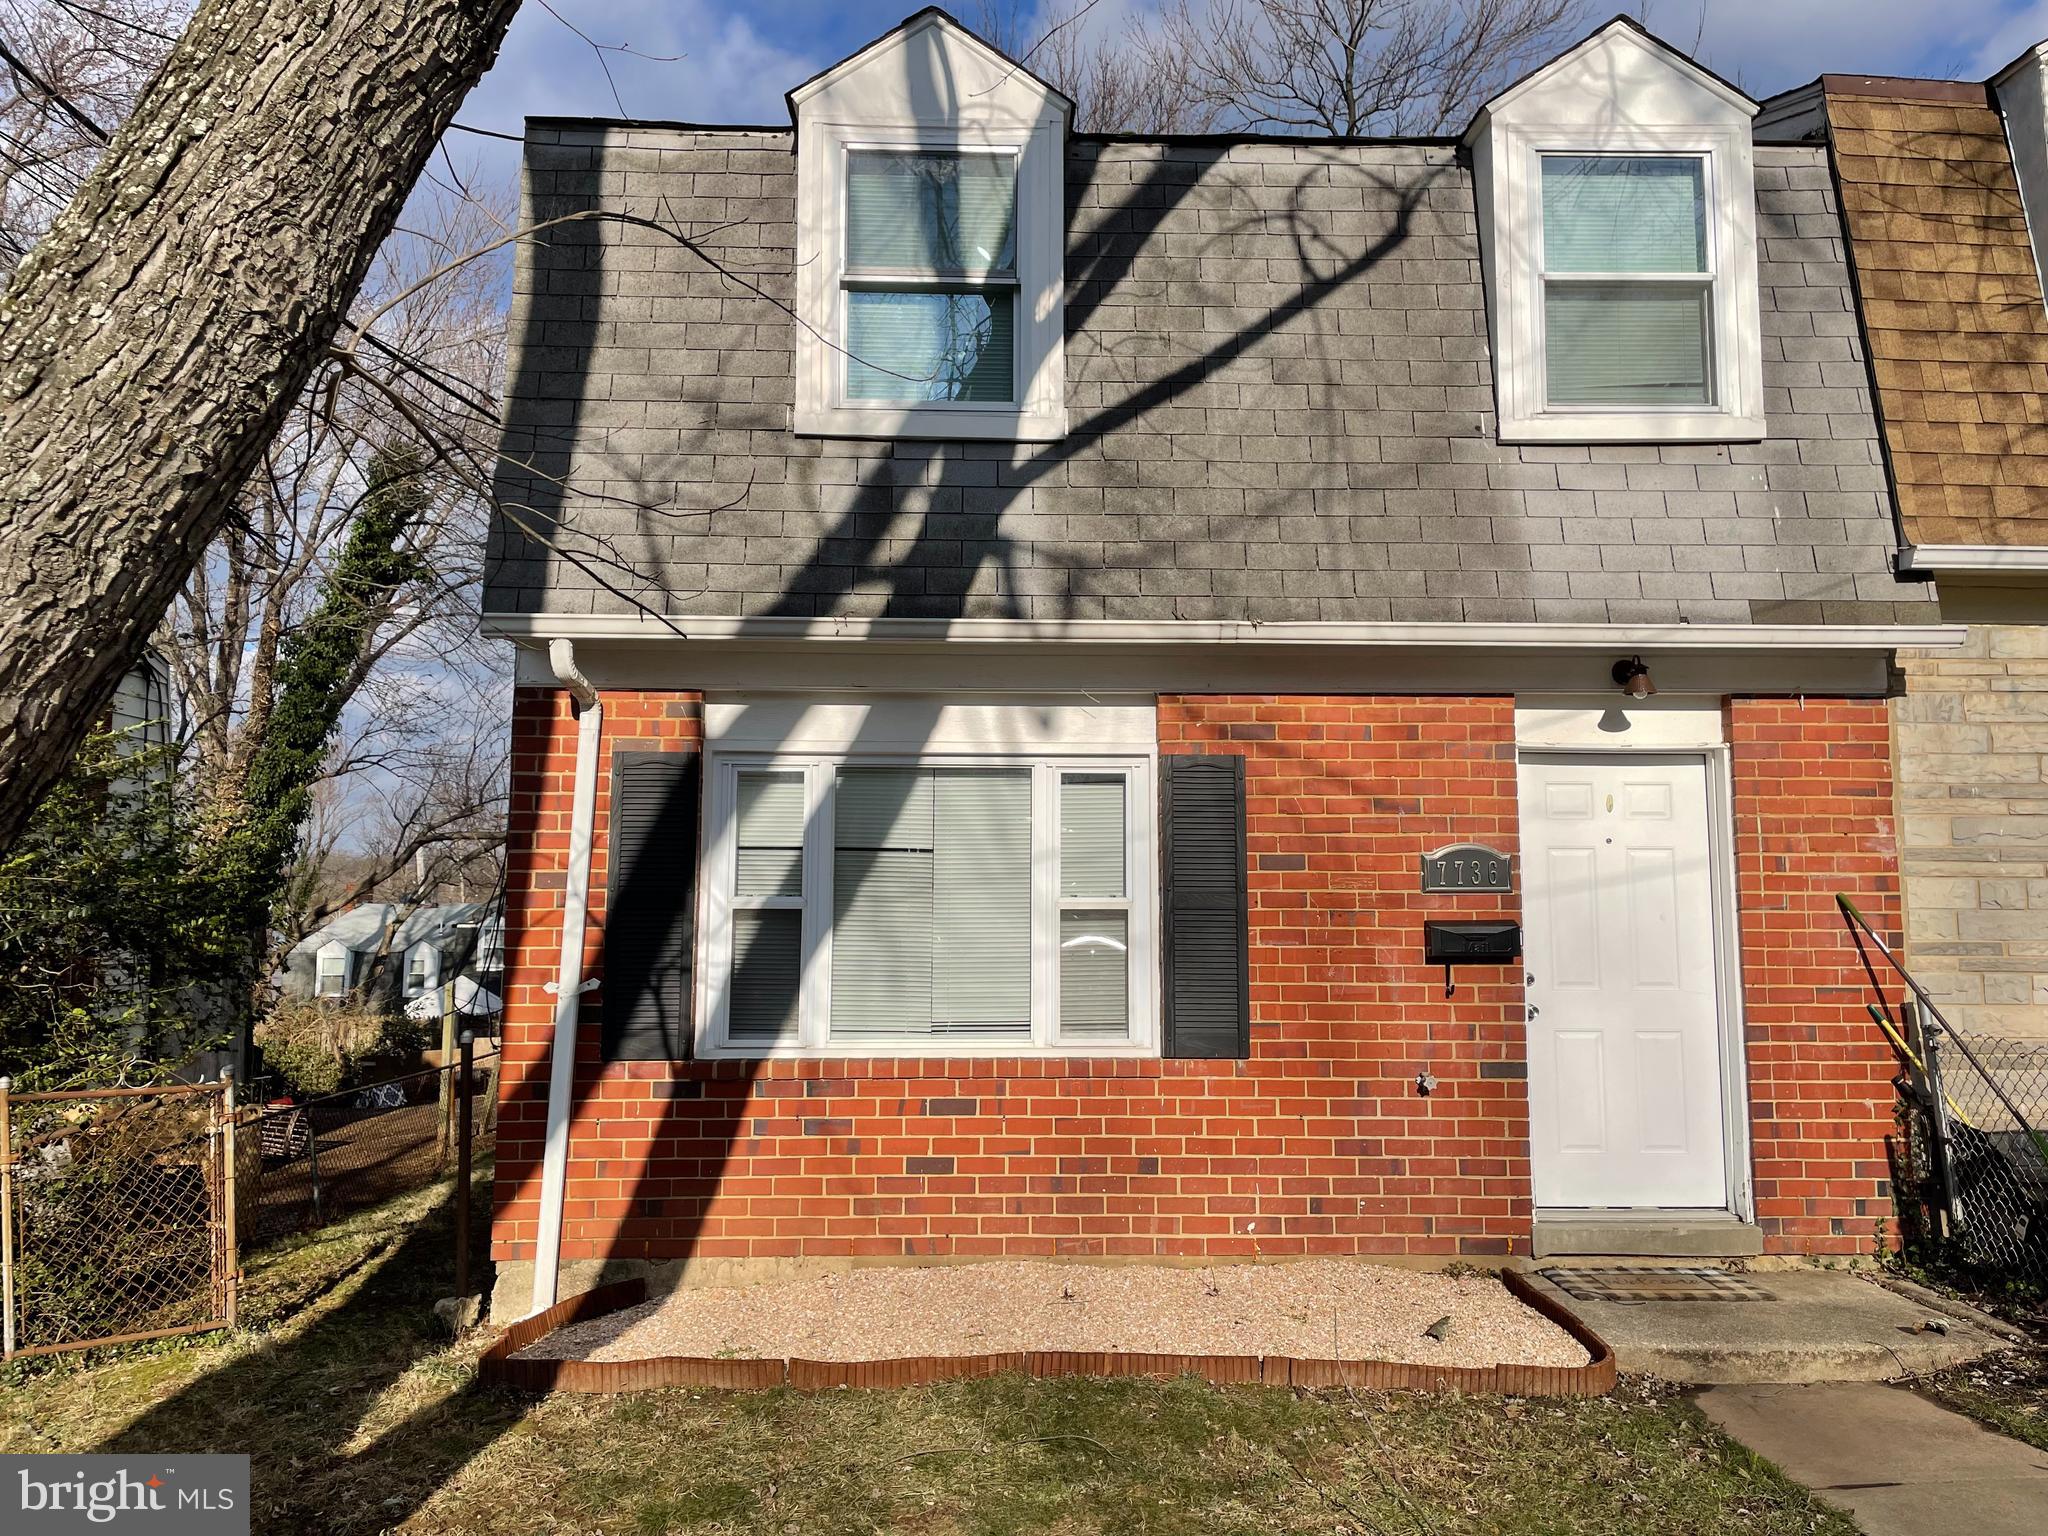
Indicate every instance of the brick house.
{"type": "Point", "coordinates": [1939, 179]}
{"type": "Point", "coordinates": [1022, 636]}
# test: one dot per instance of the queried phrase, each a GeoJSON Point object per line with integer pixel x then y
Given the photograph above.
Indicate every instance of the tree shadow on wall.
{"type": "Point", "coordinates": [701, 1120]}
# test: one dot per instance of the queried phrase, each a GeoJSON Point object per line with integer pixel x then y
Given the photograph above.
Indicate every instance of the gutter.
{"type": "Point", "coordinates": [569, 984]}
{"type": "Point", "coordinates": [1974, 560]}
{"type": "Point", "coordinates": [1178, 634]}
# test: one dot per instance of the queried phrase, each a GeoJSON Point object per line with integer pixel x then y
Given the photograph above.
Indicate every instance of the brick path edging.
{"type": "Point", "coordinates": [498, 1367]}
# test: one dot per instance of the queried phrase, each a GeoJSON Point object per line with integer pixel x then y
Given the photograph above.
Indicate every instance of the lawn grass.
{"type": "Point", "coordinates": [361, 1417]}
{"type": "Point", "coordinates": [2006, 1391]}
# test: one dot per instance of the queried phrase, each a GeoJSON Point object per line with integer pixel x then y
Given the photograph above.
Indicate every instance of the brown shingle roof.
{"type": "Point", "coordinates": [1953, 309]}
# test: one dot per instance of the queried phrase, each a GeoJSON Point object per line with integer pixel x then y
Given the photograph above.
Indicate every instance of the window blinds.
{"type": "Point", "coordinates": [931, 902]}
{"type": "Point", "coordinates": [767, 941]}
{"type": "Point", "coordinates": [925, 212]}
{"type": "Point", "coordinates": [930, 346]}
{"type": "Point", "coordinates": [933, 216]}
{"type": "Point", "coordinates": [1094, 942]}
{"type": "Point", "coordinates": [1625, 344]}
{"type": "Point", "coordinates": [1616, 213]}
{"type": "Point", "coordinates": [1645, 341]}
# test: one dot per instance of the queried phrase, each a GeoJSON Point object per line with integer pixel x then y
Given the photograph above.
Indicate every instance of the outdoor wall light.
{"type": "Point", "coordinates": [1632, 677]}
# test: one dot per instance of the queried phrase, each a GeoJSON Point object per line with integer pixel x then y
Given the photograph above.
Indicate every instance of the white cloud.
{"type": "Point", "coordinates": [1770, 45]}
{"type": "Point", "coordinates": [2019, 31]}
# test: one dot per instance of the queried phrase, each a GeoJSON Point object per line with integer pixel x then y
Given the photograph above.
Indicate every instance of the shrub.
{"type": "Point", "coordinates": [320, 1048]}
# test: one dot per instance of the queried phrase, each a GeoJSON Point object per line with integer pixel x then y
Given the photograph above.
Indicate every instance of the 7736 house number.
{"type": "Point", "coordinates": [1467, 867]}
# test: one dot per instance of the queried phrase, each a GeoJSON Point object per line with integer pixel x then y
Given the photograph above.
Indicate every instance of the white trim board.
{"type": "Point", "coordinates": [1184, 632]}
{"type": "Point", "coordinates": [1616, 723]}
{"type": "Point", "coordinates": [1973, 559]}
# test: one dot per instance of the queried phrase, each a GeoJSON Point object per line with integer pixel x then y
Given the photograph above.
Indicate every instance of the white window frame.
{"type": "Point", "coordinates": [432, 969]}
{"type": "Point", "coordinates": [820, 769]}
{"type": "Point", "coordinates": [334, 949]}
{"type": "Point", "coordinates": [931, 85]}
{"type": "Point", "coordinates": [932, 280]}
{"type": "Point", "coordinates": [1037, 409]}
{"type": "Point", "coordinates": [1736, 411]}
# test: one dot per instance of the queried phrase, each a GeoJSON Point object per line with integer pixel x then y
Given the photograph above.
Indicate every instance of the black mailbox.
{"type": "Point", "coordinates": [1449, 944]}
{"type": "Point", "coordinates": [1471, 943]}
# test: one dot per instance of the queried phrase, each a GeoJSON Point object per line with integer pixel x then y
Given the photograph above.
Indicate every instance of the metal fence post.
{"type": "Point", "coordinates": [447, 1125]}
{"type": "Point", "coordinates": [1937, 1116]}
{"type": "Point", "coordinates": [229, 1235]}
{"type": "Point", "coordinates": [463, 1113]}
{"type": "Point", "coordinates": [7, 1213]}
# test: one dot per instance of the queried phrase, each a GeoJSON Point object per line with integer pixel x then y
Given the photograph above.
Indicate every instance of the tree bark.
{"type": "Point", "coordinates": [152, 341]}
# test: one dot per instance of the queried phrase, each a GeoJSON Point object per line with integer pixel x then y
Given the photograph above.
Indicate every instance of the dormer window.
{"type": "Point", "coordinates": [931, 275]}
{"type": "Point", "coordinates": [331, 970]}
{"type": "Point", "coordinates": [422, 968]}
{"type": "Point", "coordinates": [1618, 225]}
{"type": "Point", "coordinates": [1628, 282]}
{"type": "Point", "coordinates": [931, 243]}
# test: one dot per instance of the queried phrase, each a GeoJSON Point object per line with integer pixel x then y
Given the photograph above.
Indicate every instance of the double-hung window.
{"type": "Point", "coordinates": [930, 276]}
{"type": "Point", "coordinates": [422, 968]}
{"type": "Point", "coordinates": [931, 244]}
{"type": "Point", "coordinates": [331, 971]}
{"type": "Point", "coordinates": [1627, 274]}
{"type": "Point", "coordinates": [938, 907]}
{"type": "Point", "coordinates": [1617, 197]}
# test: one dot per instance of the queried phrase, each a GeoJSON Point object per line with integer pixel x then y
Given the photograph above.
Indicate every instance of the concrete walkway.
{"type": "Point", "coordinates": [1898, 1463]}
{"type": "Point", "coordinates": [1819, 1325]}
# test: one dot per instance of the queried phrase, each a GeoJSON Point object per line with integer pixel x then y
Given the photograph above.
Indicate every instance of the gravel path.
{"type": "Point", "coordinates": [1344, 1309]}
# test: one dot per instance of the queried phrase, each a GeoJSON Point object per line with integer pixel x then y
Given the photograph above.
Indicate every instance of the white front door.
{"type": "Point", "coordinates": [1625, 1081]}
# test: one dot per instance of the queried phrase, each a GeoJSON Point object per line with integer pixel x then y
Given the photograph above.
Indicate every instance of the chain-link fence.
{"type": "Point", "coordinates": [304, 1164]}
{"type": "Point", "coordinates": [1970, 1163]}
{"type": "Point", "coordinates": [1983, 1103]}
{"type": "Point", "coordinates": [124, 1211]}
{"type": "Point", "coordinates": [116, 1215]}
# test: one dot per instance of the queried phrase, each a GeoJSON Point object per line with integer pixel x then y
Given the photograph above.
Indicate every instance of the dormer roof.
{"type": "Point", "coordinates": [1619, 51]}
{"type": "Point", "coordinates": [940, 66]}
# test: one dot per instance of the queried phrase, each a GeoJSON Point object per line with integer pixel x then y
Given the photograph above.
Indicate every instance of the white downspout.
{"type": "Point", "coordinates": [568, 987]}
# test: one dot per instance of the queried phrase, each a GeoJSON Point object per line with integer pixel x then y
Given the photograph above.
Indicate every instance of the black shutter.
{"type": "Point", "coordinates": [1206, 917]}
{"type": "Point", "coordinates": [650, 907]}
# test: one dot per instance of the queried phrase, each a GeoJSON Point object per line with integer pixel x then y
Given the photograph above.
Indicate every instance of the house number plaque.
{"type": "Point", "coordinates": [1467, 867]}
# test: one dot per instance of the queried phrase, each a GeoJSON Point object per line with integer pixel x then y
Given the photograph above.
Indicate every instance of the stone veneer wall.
{"type": "Point", "coordinates": [1973, 803]}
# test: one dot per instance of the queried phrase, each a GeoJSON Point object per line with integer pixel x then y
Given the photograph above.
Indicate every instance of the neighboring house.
{"type": "Point", "coordinates": [384, 954]}
{"type": "Point", "coordinates": [1939, 179]}
{"type": "Point", "coordinates": [1006, 615]}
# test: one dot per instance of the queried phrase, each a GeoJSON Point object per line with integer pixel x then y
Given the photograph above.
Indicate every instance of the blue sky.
{"type": "Point", "coordinates": [733, 60]}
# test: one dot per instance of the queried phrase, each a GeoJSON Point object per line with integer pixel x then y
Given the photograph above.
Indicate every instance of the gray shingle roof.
{"type": "Point", "coordinates": [1281, 400]}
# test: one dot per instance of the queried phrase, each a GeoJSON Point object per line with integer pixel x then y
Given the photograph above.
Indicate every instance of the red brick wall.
{"type": "Point", "coordinates": [1813, 818]}
{"type": "Point", "coordinates": [1319, 1143]}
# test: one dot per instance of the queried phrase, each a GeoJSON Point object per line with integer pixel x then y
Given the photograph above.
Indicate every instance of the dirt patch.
{"type": "Point", "coordinates": [1339, 1309]}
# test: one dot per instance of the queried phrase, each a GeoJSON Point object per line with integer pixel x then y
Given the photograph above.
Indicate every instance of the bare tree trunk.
{"type": "Point", "coordinates": [152, 341]}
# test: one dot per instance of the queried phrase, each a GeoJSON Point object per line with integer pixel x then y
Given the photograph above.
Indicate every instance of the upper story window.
{"type": "Point", "coordinates": [930, 243]}
{"type": "Point", "coordinates": [422, 968]}
{"type": "Point", "coordinates": [331, 967]}
{"type": "Point", "coordinates": [1618, 216]}
{"type": "Point", "coordinates": [1628, 282]}
{"type": "Point", "coordinates": [931, 276]}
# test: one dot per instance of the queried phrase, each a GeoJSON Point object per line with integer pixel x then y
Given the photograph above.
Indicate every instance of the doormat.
{"type": "Point", "coordinates": [1629, 1284]}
